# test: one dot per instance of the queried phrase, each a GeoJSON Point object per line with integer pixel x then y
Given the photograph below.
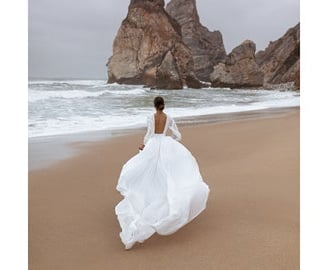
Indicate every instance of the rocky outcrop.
{"type": "Point", "coordinates": [207, 47]}
{"type": "Point", "coordinates": [240, 69]}
{"type": "Point", "coordinates": [280, 61]}
{"type": "Point", "coordinates": [149, 49]}
{"type": "Point", "coordinates": [277, 67]}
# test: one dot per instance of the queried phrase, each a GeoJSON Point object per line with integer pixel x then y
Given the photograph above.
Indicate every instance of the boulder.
{"type": "Point", "coordinates": [240, 69]}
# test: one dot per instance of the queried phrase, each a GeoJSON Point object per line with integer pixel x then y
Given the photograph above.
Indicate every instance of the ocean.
{"type": "Point", "coordinates": [57, 107]}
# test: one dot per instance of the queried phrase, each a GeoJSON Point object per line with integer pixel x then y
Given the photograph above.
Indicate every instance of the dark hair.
{"type": "Point", "coordinates": [159, 103]}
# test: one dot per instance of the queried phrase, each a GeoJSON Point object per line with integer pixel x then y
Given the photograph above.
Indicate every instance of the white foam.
{"type": "Point", "coordinates": [83, 124]}
{"type": "Point", "coordinates": [183, 112]}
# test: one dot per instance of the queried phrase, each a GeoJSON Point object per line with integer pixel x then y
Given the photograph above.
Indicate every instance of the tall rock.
{"type": "Point", "coordinates": [207, 47]}
{"type": "Point", "coordinates": [149, 49]}
{"type": "Point", "coordinates": [240, 69]}
{"type": "Point", "coordinates": [280, 61]}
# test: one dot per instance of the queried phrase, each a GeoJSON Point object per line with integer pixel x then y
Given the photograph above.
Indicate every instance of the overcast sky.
{"type": "Point", "coordinates": [73, 38]}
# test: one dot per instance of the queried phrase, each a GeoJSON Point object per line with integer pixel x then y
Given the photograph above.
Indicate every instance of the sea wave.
{"type": "Point", "coordinates": [36, 95]}
{"type": "Point", "coordinates": [72, 106]}
{"type": "Point", "coordinates": [135, 91]}
{"type": "Point", "coordinates": [132, 120]}
{"type": "Point", "coordinates": [67, 82]}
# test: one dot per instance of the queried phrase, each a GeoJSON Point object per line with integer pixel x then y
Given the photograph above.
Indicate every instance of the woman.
{"type": "Point", "coordinates": [162, 186]}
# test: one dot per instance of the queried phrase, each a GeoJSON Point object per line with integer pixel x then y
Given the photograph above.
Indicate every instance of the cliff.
{"type": "Point", "coordinates": [207, 47]}
{"type": "Point", "coordinates": [280, 61]}
{"type": "Point", "coordinates": [149, 49]}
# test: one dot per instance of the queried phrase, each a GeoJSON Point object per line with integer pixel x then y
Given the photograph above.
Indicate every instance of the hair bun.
{"type": "Point", "coordinates": [159, 103]}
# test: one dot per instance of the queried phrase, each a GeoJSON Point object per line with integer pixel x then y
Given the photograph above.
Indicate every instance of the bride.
{"type": "Point", "coordinates": [162, 186]}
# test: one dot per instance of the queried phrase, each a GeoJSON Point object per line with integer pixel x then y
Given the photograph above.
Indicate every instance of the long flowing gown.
{"type": "Point", "coordinates": [162, 187]}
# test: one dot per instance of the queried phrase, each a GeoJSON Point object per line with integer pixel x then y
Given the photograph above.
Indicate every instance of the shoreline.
{"type": "Point", "coordinates": [46, 151]}
{"type": "Point", "coordinates": [251, 220]}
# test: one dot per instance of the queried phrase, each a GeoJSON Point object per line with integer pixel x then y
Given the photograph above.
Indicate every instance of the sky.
{"type": "Point", "coordinates": [73, 38]}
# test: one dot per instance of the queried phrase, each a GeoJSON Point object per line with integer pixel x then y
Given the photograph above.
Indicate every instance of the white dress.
{"type": "Point", "coordinates": [162, 187]}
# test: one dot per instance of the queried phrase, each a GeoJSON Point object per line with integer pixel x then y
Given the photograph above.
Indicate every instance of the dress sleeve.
{"type": "Point", "coordinates": [176, 135]}
{"type": "Point", "coordinates": [149, 130]}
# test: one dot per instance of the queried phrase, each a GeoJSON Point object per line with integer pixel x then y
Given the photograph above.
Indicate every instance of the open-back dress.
{"type": "Point", "coordinates": [162, 187]}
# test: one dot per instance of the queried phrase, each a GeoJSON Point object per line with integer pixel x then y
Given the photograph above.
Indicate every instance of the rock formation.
{"type": "Point", "coordinates": [240, 69]}
{"type": "Point", "coordinates": [207, 47]}
{"type": "Point", "coordinates": [170, 49]}
{"type": "Point", "coordinates": [149, 49]}
{"type": "Point", "coordinates": [280, 61]}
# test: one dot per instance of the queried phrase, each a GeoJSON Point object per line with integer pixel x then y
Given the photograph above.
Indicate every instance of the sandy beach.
{"type": "Point", "coordinates": [251, 220]}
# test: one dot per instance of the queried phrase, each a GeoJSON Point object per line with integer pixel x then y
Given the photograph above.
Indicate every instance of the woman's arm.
{"type": "Point", "coordinates": [175, 131]}
{"type": "Point", "coordinates": [148, 134]}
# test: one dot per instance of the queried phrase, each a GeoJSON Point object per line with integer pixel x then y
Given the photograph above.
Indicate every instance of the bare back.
{"type": "Point", "coordinates": [160, 121]}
